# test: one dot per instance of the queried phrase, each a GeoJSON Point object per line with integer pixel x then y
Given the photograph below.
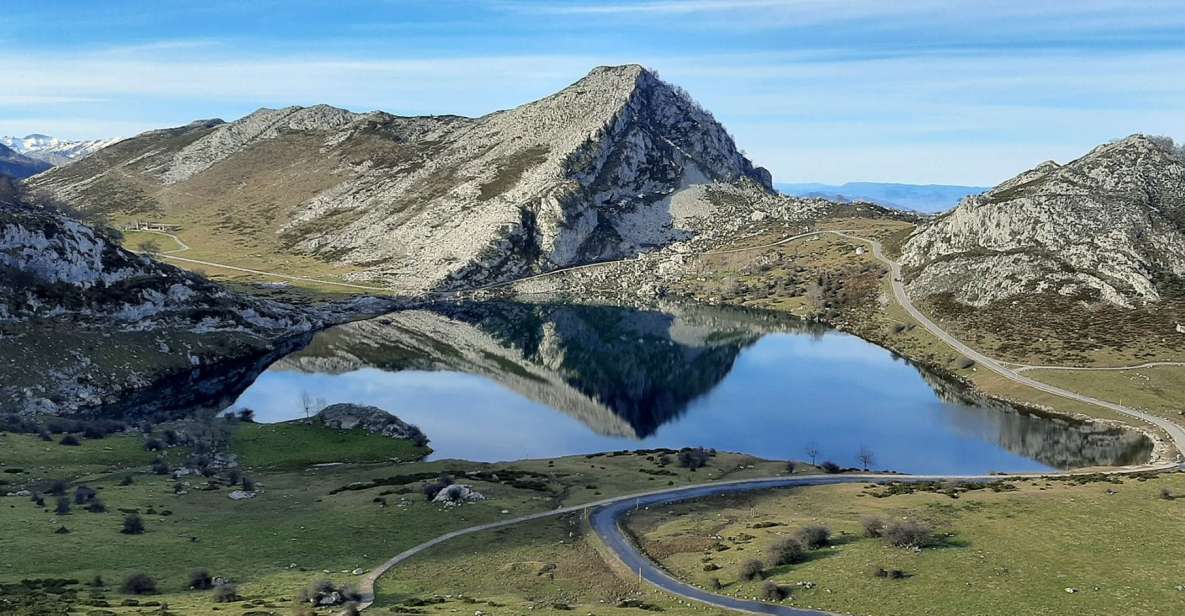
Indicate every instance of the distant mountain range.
{"type": "Point", "coordinates": [928, 198]}
{"type": "Point", "coordinates": [16, 165]}
{"type": "Point", "coordinates": [53, 150]}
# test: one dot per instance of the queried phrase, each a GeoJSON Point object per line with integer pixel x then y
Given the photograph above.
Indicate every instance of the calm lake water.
{"type": "Point", "coordinates": [505, 381]}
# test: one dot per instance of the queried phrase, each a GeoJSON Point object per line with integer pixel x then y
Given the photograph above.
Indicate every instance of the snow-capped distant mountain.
{"type": "Point", "coordinates": [53, 150]}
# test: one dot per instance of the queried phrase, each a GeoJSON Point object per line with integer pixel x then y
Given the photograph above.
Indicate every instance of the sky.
{"type": "Point", "coordinates": [921, 91]}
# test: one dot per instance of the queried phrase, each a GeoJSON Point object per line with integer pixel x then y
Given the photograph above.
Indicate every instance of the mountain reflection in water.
{"type": "Point", "coordinates": [485, 381]}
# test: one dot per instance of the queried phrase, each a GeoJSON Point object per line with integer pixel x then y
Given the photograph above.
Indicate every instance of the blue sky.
{"type": "Point", "coordinates": [921, 91]}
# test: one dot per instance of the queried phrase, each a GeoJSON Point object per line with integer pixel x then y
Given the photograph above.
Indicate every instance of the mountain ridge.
{"type": "Point", "coordinates": [611, 166]}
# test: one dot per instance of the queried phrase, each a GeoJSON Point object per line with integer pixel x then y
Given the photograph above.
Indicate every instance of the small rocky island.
{"type": "Point", "coordinates": [371, 419]}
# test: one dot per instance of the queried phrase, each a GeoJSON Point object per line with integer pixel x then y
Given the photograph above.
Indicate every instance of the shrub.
{"type": "Point", "coordinates": [127, 480]}
{"type": "Point", "coordinates": [892, 574]}
{"type": "Point", "coordinates": [139, 584]}
{"type": "Point", "coordinates": [248, 484]}
{"type": "Point", "coordinates": [786, 551]}
{"type": "Point", "coordinates": [70, 441]}
{"type": "Point", "coordinates": [814, 536]}
{"type": "Point", "coordinates": [714, 583]}
{"type": "Point", "coordinates": [132, 525]}
{"type": "Point", "coordinates": [153, 445]}
{"type": "Point", "coordinates": [1166, 494]}
{"type": "Point", "coordinates": [62, 530]}
{"type": "Point", "coordinates": [873, 526]}
{"type": "Point", "coordinates": [200, 579]}
{"type": "Point", "coordinates": [433, 488]}
{"type": "Point", "coordinates": [351, 609]}
{"type": "Point", "coordinates": [233, 476]}
{"type": "Point", "coordinates": [159, 467]}
{"type": "Point", "coordinates": [63, 506]}
{"type": "Point", "coordinates": [751, 570]}
{"type": "Point", "coordinates": [84, 495]}
{"type": "Point", "coordinates": [96, 506]}
{"type": "Point", "coordinates": [58, 488]}
{"type": "Point", "coordinates": [908, 534]}
{"type": "Point", "coordinates": [830, 467]}
{"type": "Point", "coordinates": [226, 593]}
{"type": "Point", "coordinates": [790, 466]}
{"type": "Point", "coordinates": [45, 435]}
{"type": "Point", "coordinates": [770, 591]}
{"type": "Point", "coordinates": [98, 582]}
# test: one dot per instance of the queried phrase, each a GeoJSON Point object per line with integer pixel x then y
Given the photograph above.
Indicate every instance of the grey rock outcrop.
{"type": "Point", "coordinates": [1109, 226]}
{"type": "Point", "coordinates": [371, 419]}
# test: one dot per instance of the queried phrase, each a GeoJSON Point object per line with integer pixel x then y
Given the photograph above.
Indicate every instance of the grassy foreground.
{"type": "Point", "coordinates": [330, 505]}
{"type": "Point", "coordinates": [1115, 545]}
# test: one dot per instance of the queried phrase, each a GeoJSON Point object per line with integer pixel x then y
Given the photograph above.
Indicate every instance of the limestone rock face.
{"type": "Point", "coordinates": [369, 418]}
{"type": "Point", "coordinates": [612, 166]}
{"type": "Point", "coordinates": [1109, 226]}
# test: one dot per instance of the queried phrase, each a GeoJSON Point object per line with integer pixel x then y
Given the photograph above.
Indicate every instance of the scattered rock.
{"type": "Point", "coordinates": [457, 494]}
{"type": "Point", "coordinates": [239, 495]}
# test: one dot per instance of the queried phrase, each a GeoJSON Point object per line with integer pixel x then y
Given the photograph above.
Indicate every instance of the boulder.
{"type": "Point", "coordinates": [457, 494]}
{"type": "Point", "coordinates": [239, 495]}
{"type": "Point", "coordinates": [372, 419]}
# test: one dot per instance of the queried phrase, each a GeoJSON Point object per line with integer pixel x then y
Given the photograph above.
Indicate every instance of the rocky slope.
{"type": "Point", "coordinates": [16, 165]}
{"type": "Point", "coordinates": [53, 150]}
{"type": "Point", "coordinates": [1109, 226]}
{"type": "Point", "coordinates": [85, 324]}
{"type": "Point", "coordinates": [614, 165]}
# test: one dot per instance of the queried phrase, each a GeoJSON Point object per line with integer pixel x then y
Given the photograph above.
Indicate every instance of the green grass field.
{"type": "Point", "coordinates": [329, 502]}
{"type": "Point", "coordinates": [1117, 545]}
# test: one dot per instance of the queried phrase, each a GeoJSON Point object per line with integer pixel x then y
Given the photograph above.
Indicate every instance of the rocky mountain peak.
{"type": "Point", "coordinates": [613, 165]}
{"type": "Point", "coordinates": [1107, 226]}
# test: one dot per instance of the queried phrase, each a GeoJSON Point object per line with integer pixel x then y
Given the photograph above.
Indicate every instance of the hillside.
{"type": "Point", "coordinates": [1109, 227]}
{"type": "Point", "coordinates": [612, 166]}
{"type": "Point", "coordinates": [16, 165]}
{"type": "Point", "coordinates": [86, 324]}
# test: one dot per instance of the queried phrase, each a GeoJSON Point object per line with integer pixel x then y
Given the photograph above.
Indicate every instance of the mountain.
{"type": "Point", "coordinates": [1109, 226]}
{"type": "Point", "coordinates": [53, 150]}
{"type": "Point", "coordinates": [926, 198]}
{"type": "Point", "coordinates": [614, 165]}
{"type": "Point", "coordinates": [16, 165]}
{"type": "Point", "coordinates": [87, 325]}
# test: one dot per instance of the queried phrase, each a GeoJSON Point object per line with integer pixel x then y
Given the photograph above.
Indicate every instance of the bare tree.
{"type": "Point", "coordinates": [310, 404]}
{"type": "Point", "coordinates": [812, 451]}
{"type": "Point", "coordinates": [866, 457]}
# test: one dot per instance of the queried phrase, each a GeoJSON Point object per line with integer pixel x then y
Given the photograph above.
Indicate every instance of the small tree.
{"type": "Point", "coordinates": [812, 451]}
{"type": "Point", "coordinates": [139, 584]}
{"type": "Point", "coordinates": [866, 457]}
{"type": "Point", "coordinates": [149, 247]}
{"type": "Point", "coordinates": [786, 551]}
{"type": "Point", "coordinates": [830, 467]}
{"type": "Point", "coordinates": [751, 570]}
{"type": "Point", "coordinates": [814, 536]}
{"type": "Point", "coordinates": [132, 525]}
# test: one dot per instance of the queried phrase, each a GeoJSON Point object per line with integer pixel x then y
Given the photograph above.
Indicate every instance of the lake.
{"type": "Point", "coordinates": [504, 381]}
